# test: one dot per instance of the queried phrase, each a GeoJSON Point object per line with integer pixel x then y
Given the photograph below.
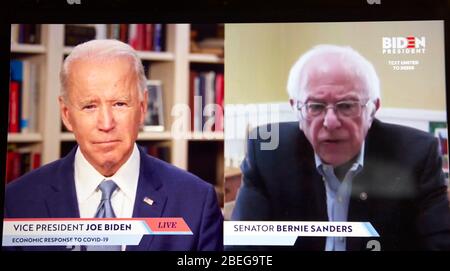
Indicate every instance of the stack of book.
{"type": "Point", "coordinates": [23, 96]}
{"type": "Point", "coordinates": [20, 160]}
{"type": "Point", "coordinates": [160, 150]}
{"type": "Point", "coordinates": [206, 101]}
{"type": "Point", "coordinates": [26, 33]}
{"type": "Point", "coordinates": [142, 37]}
{"type": "Point", "coordinates": [76, 34]}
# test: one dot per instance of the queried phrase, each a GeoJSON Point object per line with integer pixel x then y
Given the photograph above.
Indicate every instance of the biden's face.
{"type": "Point", "coordinates": [336, 138]}
{"type": "Point", "coordinates": [104, 111]}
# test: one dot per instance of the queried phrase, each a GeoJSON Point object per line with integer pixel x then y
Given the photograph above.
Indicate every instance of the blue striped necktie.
{"type": "Point", "coordinates": [105, 210]}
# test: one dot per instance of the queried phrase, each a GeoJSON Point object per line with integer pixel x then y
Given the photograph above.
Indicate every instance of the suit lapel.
{"type": "Point", "coordinates": [311, 181]}
{"type": "Point", "coordinates": [361, 194]}
{"type": "Point", "coordinates": [313, 193]}
{"type": "Point", "coordinates": [62, 201]}
{"type": "Point", "coordinates": [358, 209]}
{"type": "Point", "coordinates": [318, 203]}
{"type": "Point", "coordinates": [150, 187]}
{"type": "Point", "coordinates": [317, 207]}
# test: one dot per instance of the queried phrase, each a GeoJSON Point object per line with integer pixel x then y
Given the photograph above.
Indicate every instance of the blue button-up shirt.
{"type": "Point", "coordinates": [338, 195]}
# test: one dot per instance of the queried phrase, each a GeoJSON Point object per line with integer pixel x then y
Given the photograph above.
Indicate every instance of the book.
{"type": "Point", "coordinates": [210, 101]}
{"type": "Point", "coordinates": [158, 37]}
{"type": "Point", "coordinates": [26, 33]}
{"type": "Point", "coordinates": [26, 98]}
{"type": "Point", "coordinates": [148, 37]}
{"type": "Point", "coordinates": [13, 119]}
{"type": "Point", "coordinates": [76, 34]}
{"type": "Point", "coordinates": [20, 160]}
{"type": "Point", "coordinates": [220, 87]}
{"type": "Point", "coordinates": [34, 91]}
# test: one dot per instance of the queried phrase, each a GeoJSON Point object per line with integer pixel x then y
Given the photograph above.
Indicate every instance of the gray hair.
{"type": "Point", "coordinates": [356, 63]}
{"type": "Point", "coordinates": [103, 50]}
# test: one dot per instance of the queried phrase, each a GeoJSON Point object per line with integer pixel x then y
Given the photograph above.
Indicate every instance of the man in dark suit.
{"type": "Point", "coordinates": [345, 165]}
{"type": "Point", "coordinates": [103, 102]}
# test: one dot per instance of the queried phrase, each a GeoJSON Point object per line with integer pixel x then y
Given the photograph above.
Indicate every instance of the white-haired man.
{"type": "Point", "coordinates": [103, 102]}
{"type": "Point", "coordinates": [345, 165]}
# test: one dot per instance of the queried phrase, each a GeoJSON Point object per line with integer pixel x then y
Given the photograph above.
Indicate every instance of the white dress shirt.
{"type": "Point", "coordinates": [87, 179]}
{"type": "Point", "coordinates": [338, 196]}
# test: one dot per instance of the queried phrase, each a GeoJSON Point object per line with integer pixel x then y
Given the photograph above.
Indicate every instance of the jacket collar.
{"type": "Point", "coordinates": [150, 187]}
{"type": "Point", "coordinates": [62, 200]}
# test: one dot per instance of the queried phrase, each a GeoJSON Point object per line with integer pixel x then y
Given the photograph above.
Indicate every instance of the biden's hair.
{"type": "Point", "coordinates": [103, 49]}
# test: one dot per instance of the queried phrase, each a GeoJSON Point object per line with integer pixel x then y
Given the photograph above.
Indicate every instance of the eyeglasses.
{"type": "Point", "coordinates": [349, 109]}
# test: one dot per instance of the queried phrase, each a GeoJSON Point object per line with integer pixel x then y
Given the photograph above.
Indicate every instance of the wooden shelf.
{"type": "Point", "coordinates": [67, 137]}
{"type": "Point", "coordinates": [156, 56]}
{"type": "Point", "coordinates": [154, 136]}
{"type": "Point", "coordinates": [144, 55]}
{"type": "Point", "coordinates": [28, 48]}
{"type": "Point", "coordinates": [24, 137]}
{"type": "Point", "coordinates": [205, 58]}
{"type": "Point", "coordinates": [206, 136]}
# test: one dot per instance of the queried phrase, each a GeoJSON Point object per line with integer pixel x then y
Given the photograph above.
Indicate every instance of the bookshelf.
{"type": "Point", "coordinates": [171, 66]}
{"type": "Point", "coordinates": [24, 137]}
{"type": "Point", "coordinates": [205, 58]}
{"type": "Point", "coordinates": [27, 48]}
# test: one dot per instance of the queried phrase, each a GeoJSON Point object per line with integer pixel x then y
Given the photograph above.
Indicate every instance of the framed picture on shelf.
{"type": "Point", "coordinates": [439, 129]}
{"type": "Point", "coordinates": [154, 119]}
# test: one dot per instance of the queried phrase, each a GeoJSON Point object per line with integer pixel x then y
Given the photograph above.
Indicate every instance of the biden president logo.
{"type": "Point", "coordinates": [404, 45]}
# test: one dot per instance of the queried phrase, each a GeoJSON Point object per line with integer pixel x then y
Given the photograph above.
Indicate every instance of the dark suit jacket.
{"type": "Point", "coordinates": [49, 192]}
{"type": "Point", "coordinates": [402, 177]}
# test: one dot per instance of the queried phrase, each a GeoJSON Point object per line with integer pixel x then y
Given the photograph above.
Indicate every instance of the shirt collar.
{"type": "Point", "coordinates": [89, 178]}
{"type": "Point", "coordinates": [359, 160]}
{"type": "Point", "coordinates": [127, 176]}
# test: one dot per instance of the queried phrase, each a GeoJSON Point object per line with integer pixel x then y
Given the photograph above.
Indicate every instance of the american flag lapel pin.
{"type": "Point", "coordinates": [149, 201]}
